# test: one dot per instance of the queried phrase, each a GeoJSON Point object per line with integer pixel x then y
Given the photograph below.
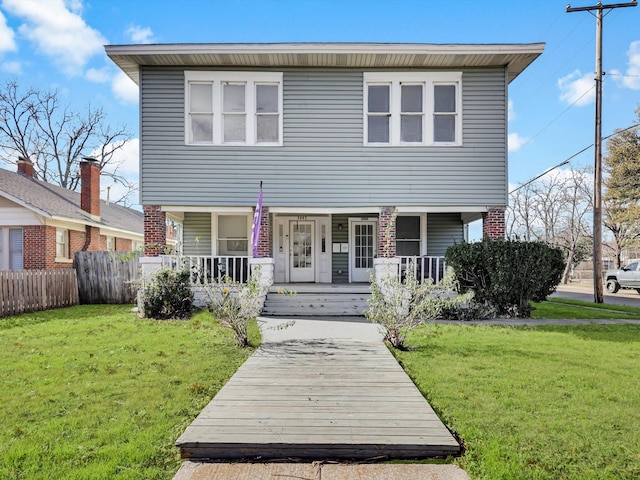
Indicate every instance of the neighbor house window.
{"type": "Point", "coordinates": [407, 236]}
{"type": "Point", "coordinates": [412, 108]}
{"type": "Point", "coordinates": [11, 249]}
{"type": "Point", "coordinates": [233, 239]}
{"type": "Point", "coordinates": [62, 243]}
{"type": "Point", "coordinates": [111, 244]}
{"type": "Point", "coordinates": [233, 108]}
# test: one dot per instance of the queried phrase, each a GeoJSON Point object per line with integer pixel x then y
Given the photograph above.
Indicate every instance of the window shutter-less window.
{"type": "Point", "coordinates": [444, 117]}
{"type": "Point", "coordinates": [15, 249]}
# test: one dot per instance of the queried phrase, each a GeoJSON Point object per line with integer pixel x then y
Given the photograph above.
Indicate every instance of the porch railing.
{"type": "Point", "coordinates": [208, 269]}
{"type": "Point", "coordinates": [423, 268]}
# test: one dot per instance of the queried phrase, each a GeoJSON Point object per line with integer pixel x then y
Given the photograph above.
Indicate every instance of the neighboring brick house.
{"type": "Point", "coordinates": [43, 225]}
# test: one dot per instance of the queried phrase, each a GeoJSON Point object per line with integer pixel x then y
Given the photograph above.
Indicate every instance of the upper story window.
{"type": "Point", "coordinates": [233, 108]}
{"type": "Point", "coordinates": [412, 108]}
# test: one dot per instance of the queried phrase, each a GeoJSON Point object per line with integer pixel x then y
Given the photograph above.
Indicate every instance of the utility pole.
{"type": "Point", "coordinates": [597, 180]}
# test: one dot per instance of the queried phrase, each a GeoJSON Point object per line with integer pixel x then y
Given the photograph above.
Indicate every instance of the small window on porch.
{"type": "Point", "coordinates": [408, 236]}
{"type": "Point", "coordinates": [233, 239]}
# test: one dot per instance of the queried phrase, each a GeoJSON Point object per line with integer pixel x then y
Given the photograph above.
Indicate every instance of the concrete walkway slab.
{"type": "Point", "coordinates": [308, 471]}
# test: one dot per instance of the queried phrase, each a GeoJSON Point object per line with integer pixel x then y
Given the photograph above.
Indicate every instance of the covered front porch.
{"type": "Point", "coordinates": [313, 245]}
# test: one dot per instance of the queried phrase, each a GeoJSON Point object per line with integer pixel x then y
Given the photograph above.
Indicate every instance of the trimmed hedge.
{"type": "Point", "coordinates": [167, 294]}
{"type": "Point", "coordinates": [507, 274]}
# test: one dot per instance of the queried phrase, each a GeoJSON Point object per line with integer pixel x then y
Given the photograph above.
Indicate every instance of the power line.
{"type": "Point", "coordinates": [567, 160]}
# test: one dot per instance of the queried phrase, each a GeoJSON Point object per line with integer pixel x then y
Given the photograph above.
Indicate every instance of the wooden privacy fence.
{"type": "Point", "coordinates": [23, 291]}
{"type": "Point", "coordinates": [105, 277]}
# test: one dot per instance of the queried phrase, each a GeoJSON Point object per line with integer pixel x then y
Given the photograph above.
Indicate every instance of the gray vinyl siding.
{"type": "Point", "coordinates": [197, 233]}
{"type": "Point", "coordinates": [443, 230]}
{"type": "Point", "coordinates": [339, 261]}
{"type": "Point", "coordinates": [323, 161]}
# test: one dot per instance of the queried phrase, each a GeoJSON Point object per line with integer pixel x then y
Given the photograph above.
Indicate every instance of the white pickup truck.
{"type": "Point", "coordinates": [626, 277]}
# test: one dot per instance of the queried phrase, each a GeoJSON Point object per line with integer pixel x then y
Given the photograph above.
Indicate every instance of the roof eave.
{"type": "Point", "coordinates": [516, 57]}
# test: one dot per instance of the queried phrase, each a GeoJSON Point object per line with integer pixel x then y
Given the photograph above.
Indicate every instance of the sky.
{"type": "Point", "coordinates": [59, 44]}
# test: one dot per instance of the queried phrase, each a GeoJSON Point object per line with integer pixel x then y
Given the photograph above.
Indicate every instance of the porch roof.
{"type": "Point", "coordinates": [515, 57]}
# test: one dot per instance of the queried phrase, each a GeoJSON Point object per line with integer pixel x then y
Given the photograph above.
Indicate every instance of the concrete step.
{"type": "Point", "coordinates": [314, 305]}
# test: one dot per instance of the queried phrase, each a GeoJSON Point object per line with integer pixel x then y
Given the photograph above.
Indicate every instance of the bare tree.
{"type": "Point", "coordinates": [34, 125]}
{"type": "Point", "coordinates": [555, 209]}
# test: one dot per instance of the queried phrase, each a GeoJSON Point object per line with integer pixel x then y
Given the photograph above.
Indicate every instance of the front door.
{"type": "Point", "coordinates": [302, 251]}
{"type": "Point", "coordinates": [363, 247]}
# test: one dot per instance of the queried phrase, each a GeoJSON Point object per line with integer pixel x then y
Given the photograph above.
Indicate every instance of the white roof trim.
{"type": "Point", "coordinates": [323, 210]}
{"type": "Point", "coordinates": [443, 209]}
{"type": "Point", "coordinates": [516, 57]}
{"type": "Point", "coordinates": [25, 205]}
{"type": "Point", "coordinates": [182, 209]}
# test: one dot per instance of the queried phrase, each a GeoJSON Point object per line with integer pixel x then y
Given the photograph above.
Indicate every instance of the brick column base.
{"type": "Point", "coordinates": [264, 242]}
{"type": "Point", "coordinates": [387, 232]}
{"type": "Point", "coordinates": [493, 223]}
{"type": "Point", "coordinates": [155, 230]}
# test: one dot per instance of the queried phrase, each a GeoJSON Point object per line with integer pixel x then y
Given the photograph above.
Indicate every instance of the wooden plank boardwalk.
{"type": "Point", "coordinates": [314, 400]}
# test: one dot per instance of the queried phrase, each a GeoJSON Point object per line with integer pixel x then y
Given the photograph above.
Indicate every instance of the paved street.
{"type": "Point", "coordinates": [585, 292]}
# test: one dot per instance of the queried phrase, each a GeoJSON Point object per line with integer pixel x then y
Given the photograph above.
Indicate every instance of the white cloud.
{"type": "Point", "coordinates": [98, 75]}
{"type": "Point", "coordinates": [577, 88]}
{"type": "Point", "coordinates": [140, 34]}
{"type": "Point", "coordinates": [58, 31]}
{"type": "Point", "coordinates": [7, 41]}
{"type": "Point", "coordinates": [14, 67]}
{"type": "Point", "coordinates": [124, 88]}
{"type": "Point", "coordinates": [128, 159]}
{"type": "Point", "coordinates": [511, 114]}
{"type": "Point", "coordinates": [632, 75]}
{"type": "Point", "coordinates": [516, 142]}
{"type": "Point", "coordinates": [126, 163]}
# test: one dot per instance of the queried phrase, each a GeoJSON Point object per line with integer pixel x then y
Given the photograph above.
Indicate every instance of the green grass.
{"type": "Point", "coordinates": [553, 402]}
{"type": "Point", "coordinates": [577, 309]}
{"type": "Point", "coordinates": [93, 392]}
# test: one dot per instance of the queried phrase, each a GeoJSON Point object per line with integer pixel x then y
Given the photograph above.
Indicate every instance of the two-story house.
{"type": "Point", "coordinates": [364, 150]}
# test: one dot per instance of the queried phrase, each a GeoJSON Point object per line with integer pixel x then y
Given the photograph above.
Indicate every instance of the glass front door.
{"type": "Point", "coordinates": [302, 253]}
{"type": "Point", "coordinates": [363, 248]}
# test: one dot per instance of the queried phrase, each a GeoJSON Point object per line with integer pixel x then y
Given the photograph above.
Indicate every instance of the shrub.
{"type": "Point", "coordinates": [399, 306]}
{"type": "Point", "coordinates": [507, 274]}
{"type": "Point", "coordinates": [234, 304]}
{"type": "Point", "coordinates": [167, 294]}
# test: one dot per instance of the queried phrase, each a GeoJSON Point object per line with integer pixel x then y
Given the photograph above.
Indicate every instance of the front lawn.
{"type": "Point", "coordinates": [553, 402]}
{"type": "Point", "coordinates": [577, 309]}
{"type": "Point", "coordinates": [92, 392]}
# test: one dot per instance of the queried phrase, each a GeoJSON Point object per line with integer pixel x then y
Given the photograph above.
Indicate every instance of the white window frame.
{"type": "Point", "coordinates": [111, 243]}
{"type": "Point", "coordinates": [428, 80]}
{"type": "Point", "coordinates": [65, 244]}
{"type": "Point", "coordinates": [217, 79]}
{"type": "Point", "coordinates": [215, 232]}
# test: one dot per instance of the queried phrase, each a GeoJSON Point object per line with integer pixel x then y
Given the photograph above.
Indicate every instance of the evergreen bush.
{"type": "Point", "coordinates": [507, 274]}
{"type": "Point", "coordinates": [167, 294]}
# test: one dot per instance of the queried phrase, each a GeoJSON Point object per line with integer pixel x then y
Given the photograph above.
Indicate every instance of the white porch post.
{"type": "Point", "coordinates": [385, 267]}
{"type": "Point", "coordinates": [148, 265]}
{"type": "Point", "coordinates": [264, 268]}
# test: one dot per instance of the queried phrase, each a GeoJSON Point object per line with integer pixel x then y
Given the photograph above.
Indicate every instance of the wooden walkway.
{"type": "Point", "coordinates": [314, 400]}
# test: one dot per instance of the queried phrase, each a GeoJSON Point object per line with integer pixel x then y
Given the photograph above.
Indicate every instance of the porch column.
{"type": "Point", "coordinates": [493, 224]}
{"type": "Point", "coordinates": [155, 230]}
{"type": "Point", "coordinates": [387, 232]}
{"type": "Point", "coordinates": [264, 242]}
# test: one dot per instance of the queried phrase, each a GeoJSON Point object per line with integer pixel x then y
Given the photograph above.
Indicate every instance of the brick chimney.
{"type": "Point", "coordinates": [90, 186]}
{"type": "Point", "coordinates": [25, 167]}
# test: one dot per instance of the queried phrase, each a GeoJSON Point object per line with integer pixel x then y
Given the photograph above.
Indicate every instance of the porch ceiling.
{"type": "Point", "coordinates": [515, 57]}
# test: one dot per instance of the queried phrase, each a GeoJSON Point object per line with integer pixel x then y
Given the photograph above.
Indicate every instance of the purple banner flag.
{"type": "Point", "coordinates": [255, 228]}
